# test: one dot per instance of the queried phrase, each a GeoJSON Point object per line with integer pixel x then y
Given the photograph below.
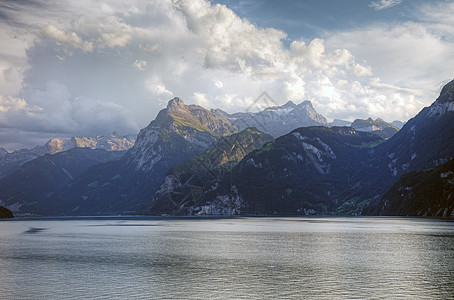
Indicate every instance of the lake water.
{"type": "Point", "coordinates": [240, 258]}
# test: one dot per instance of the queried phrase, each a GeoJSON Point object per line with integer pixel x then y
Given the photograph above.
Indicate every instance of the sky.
{"type": "Point", "coordinates": [87, 68]}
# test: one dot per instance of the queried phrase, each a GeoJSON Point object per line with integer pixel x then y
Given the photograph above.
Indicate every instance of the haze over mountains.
{"type": "Point", "coordinates": [191, 160]}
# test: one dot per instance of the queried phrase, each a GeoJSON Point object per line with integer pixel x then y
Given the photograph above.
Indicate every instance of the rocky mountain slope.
{"type": "Point", "coordinates": [127, 185]}
{"type": "Point", "coordinates": [180, 192]}
{"type": "Point", "coordinates": [30, 188]}
{"type": "Point", "coordinates": [307, 171]}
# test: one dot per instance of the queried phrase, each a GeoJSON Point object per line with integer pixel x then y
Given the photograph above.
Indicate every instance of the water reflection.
{"type": "Point", "coordinates": [228, 258]}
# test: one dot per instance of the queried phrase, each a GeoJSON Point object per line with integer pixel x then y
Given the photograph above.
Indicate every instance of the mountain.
{"type": "Point", "coordinates": [398, 124]}
{"type": "Point", "coordinates": [378, 126]}
{"type": "Point", "coordinates": [309, 171]}
{"type": "Point", "coordinates": [277, 120]}
{"type": "Point", "coordinates": [30, 188]}
{"type": "Point", "coordinates": [421, 193]}
{"type": "Point", "coordinates": [340, 123]}
{"type": "Point", "coordinates": [5, 213]}
{"type": "Point", "coordinates": [127, 185]}
{"type": "Point", "coordinates": [425, 141]}
{"type": "Point", "coordinates": [114, 142]}
{"type": "Point", "coordinates": [338, 170]}
{"type": "Point", "coordinates": [3, 152]}
{"type": "Point", "coordinates": [202, 172]}
{"type": "Point", "coordinates": [197, 161]}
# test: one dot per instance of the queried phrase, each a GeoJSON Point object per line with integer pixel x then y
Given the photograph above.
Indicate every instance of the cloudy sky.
{"type": "Point", "coordinates": [93, 67]}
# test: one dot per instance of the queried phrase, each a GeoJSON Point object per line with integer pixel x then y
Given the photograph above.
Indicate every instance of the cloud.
{"type": "Point", "coordinates": [53, 109]}
{"type": "Point", "coordinates": [12, 104]}
{"type": "Point", "coordinates": [140, 64]}
{"type": "Point", "coordinates": [384, 4]}
{"type": "Point", "coordinates": [72, 40]}
{"type": "Point", "coordinates": [200, 99]}
{"type": "Point", "coordinates": [92, 67]}
{"type": "Point", "coordinates": [410, 54]}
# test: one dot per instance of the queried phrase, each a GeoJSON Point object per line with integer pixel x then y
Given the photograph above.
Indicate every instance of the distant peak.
{"type": "Point", "coordinates": [306, 103]}
{"type": "Point", "coordinates": [175, 102]}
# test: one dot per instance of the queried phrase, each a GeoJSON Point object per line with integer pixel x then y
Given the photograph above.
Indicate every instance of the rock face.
{"type": "Point", "coordinates": [421, 193]}
{"type": "Point", "coordinates": [198, 175]}
{"type": "Point", "coordinates": [127, 185]}
{"type": "Point", "coordinates": [378, 126]}
{"type": "Point", "coordinates": [178, 129]}
{"type": "Point", "coordinates": [277, 120]}
{"type": "Point", "coordinates": [9, 162]}
{"type": "Point", "coordinates": [5, 213]}
{"type": "Point", "coordinates": [31, 187]}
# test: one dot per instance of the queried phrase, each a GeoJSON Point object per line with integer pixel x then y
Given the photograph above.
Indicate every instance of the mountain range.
{"type": "Point", "coordinates": [9, 162]}
{"type": "Point", "coordinates": [283, 160]}
{"type": "Point", "coordinates": [277, 120]}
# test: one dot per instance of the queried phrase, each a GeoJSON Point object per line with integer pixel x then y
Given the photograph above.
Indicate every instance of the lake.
{"type": "Point", "coordinates": [219, 258]}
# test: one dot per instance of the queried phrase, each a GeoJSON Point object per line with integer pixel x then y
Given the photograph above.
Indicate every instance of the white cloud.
{"type": "Point", "coordinates": [79, 61]}
{"type": "Point", "coordinates": [218, 84]}
{"type": "Point", "coordinates": [200, 99]}
{"type": "Point", "coordinates": [409, 54]}
{"type": "Point", "coordinates": [114, 33]}
{"type": "Point", "coordinates": [12, 104]}
{"type": "Point", "coordinates": [156, 87]}
{"type": "Point", "coordinates": [49, 31]}
{"type": "Point", "coordinates": [384, 4]}
{"type": "Point", "coordinates": [141, 64]}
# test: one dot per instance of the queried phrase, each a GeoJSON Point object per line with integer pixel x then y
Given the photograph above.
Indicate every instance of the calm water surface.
{"type": "Point", "coordinates": [250, 258]}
